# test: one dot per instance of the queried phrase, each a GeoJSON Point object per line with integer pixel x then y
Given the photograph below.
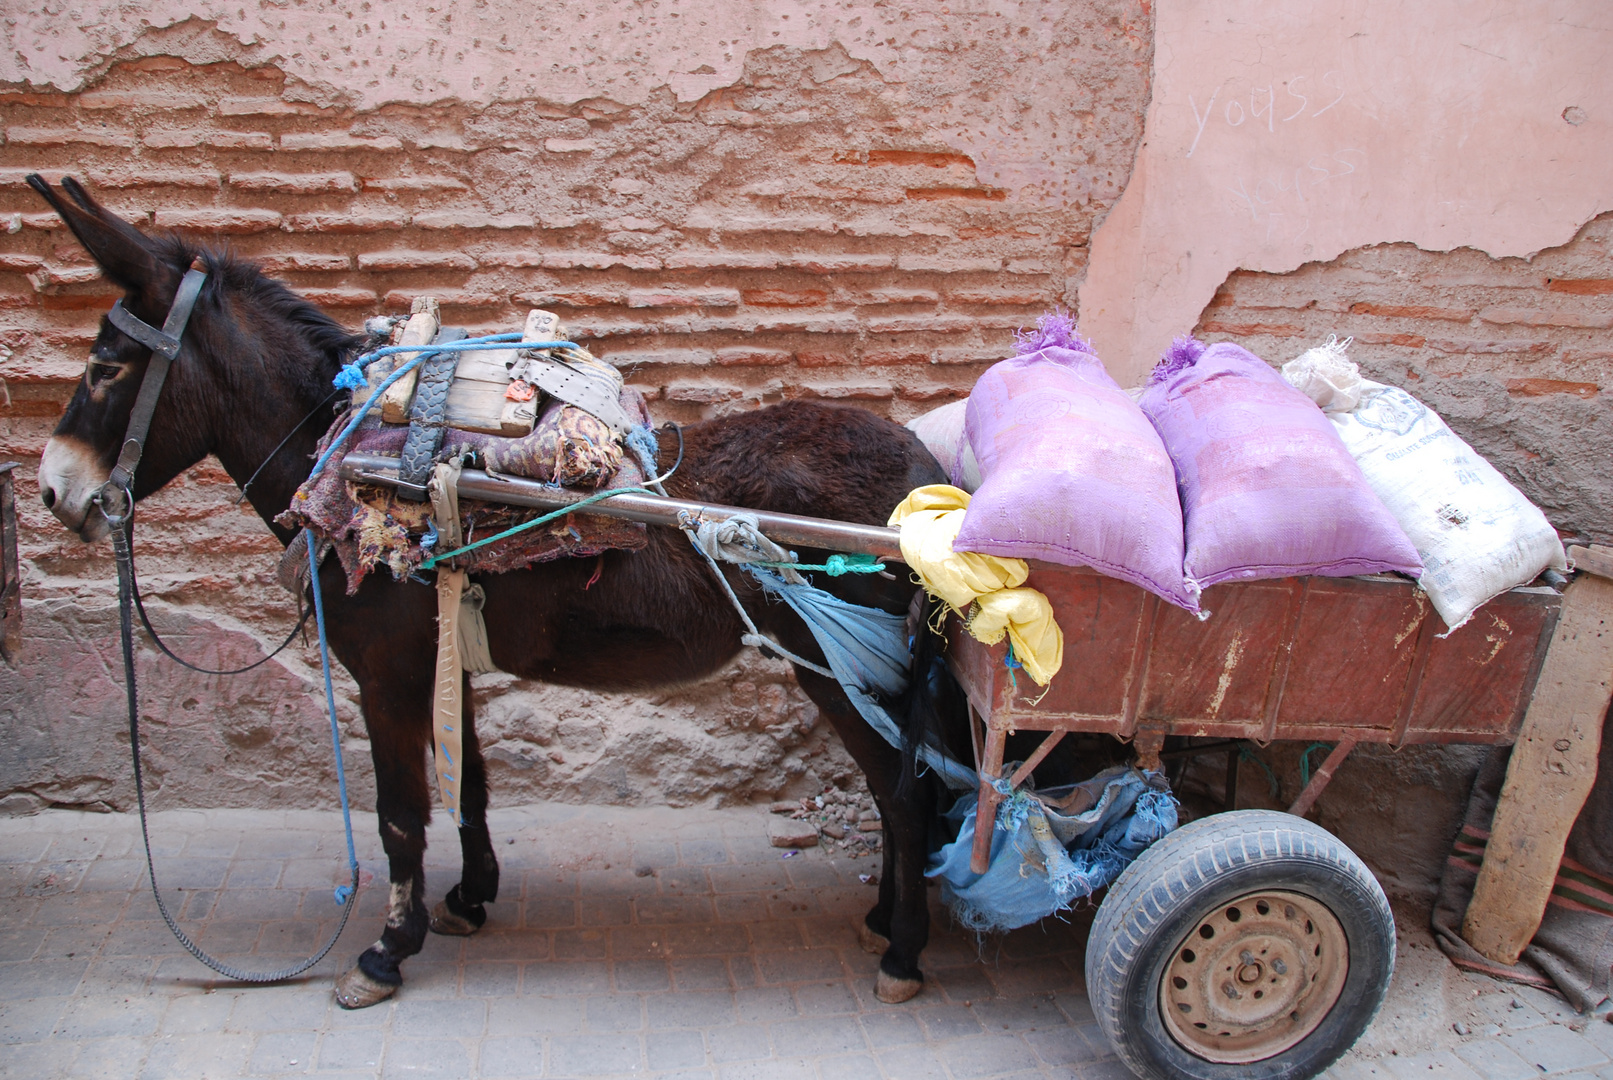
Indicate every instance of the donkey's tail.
{"type": "Point", "coordinates": [935, 712]}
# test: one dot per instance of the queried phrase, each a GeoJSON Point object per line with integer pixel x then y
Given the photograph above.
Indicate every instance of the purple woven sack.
{"type": "Point", "coordinates": [1073, 471]}
{"type": "Point", "coordinates": [1268, 487]}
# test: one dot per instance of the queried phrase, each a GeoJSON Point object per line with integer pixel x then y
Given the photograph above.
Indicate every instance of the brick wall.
{"type": "Point", "coordinates": [1514, 354]}
{"type": "Point", "coordinates": [806, 232]}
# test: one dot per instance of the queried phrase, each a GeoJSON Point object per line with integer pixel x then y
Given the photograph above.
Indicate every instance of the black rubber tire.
{"type": "Point", "coordinates": [1184, 877]}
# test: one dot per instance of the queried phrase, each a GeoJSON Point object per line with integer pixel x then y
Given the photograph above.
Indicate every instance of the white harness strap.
{"type": "Point", "coordinates": [447, 696]}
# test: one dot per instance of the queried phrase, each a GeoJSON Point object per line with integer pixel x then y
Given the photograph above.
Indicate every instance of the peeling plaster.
{"type": "Point", "coordinates": [365, 55]}
{"type": "Point", "coordinates": [1279, 137]}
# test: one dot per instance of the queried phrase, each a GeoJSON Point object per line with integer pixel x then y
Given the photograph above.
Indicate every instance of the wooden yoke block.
{"type": "Point", "coordinates": [476, 399]}
{"type": "Point", "coordinates": [424, 321]}
{"type": "Point", "coordinates": [1552, 770]}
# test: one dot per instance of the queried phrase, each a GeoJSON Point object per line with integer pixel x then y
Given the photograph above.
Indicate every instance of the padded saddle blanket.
{"type": "Point", "coordinates": [369, 525]}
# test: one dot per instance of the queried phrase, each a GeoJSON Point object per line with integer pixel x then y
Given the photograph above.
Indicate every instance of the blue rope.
{"type": "Point", "coordinates": [1305, 762]}
{"type": "Point", "coordinates": [834, 566]}
{"type": "Point", "coordinates": [343, 892]}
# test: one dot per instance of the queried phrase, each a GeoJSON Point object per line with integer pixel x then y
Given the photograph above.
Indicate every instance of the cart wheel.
{"type": "Point", "coordinates": [1250, 945]}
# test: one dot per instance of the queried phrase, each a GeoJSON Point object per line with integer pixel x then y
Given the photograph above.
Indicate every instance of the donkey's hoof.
{"type": "Point", "coordinates": [356, 990]}
{"type": "Point", "coordinates": [444, 921]}
{"type": "Point", "coordinates": [894, 991]}
{"type": "Point", "coordinates": [873, 942]}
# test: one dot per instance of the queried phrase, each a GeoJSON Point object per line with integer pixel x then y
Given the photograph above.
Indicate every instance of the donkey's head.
{"type": "Point", "coordinates": [84, 447]}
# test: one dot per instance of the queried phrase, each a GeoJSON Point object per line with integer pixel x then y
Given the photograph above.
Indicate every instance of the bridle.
{"type": "Point", "coordinates": [115, 500]}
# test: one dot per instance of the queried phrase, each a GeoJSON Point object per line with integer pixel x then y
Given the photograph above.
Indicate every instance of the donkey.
{"type": "Point", "coordinates": [257, 359]}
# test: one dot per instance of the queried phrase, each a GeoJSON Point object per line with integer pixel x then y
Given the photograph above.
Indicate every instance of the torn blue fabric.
{"type": "Point", "coordinates": [868, 652]}
{"type": "Point", "coordinates": [1043, 860]}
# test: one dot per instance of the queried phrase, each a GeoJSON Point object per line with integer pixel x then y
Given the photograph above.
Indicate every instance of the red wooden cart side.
{"type": "Point", "coordinates": [1343, 660]}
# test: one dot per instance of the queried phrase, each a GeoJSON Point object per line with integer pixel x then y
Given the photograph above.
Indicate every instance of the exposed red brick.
{"type": "Point", "coordinates": [1410, 341]}
{"type": "Point", "coordinates": [205, 179]}
{"type": "Point", "coordinates": [352, 222]}
{"type": "Point", "coordinates": [970, 354]}
{"type": "Point", "coordinates": [22, 300]}
{"type": "Point", "coordinates": [839, 264]}
{"type": "Point", "coordinates": [1542, 387]}
{"type": "Point", "coordinates": [414, 183]}
{"type": "Point", "coordinates": [397, 298]}
{"type": "Point", "coordinates": [520, 257]}
{"type": "Point", "coordinates": [784, 297]}
{"type": "Point", "coordinates": [1031, 266]}
{"type": "Point", "coordinates": [71, 337]}
{"type": "Point", "coordinates": [1250, 329]}
{"type": "Point", "coordinates": [654, 298]}
{"type": "Point", "coordinates": [744, 356]}
{"type": "Point", "coordinates": [34, 407]}
{"type": "Point", "coordinates": [701, 393]}
{"type": "Point", "coordinates": [929, 158]}
{"type": "Point", "coordinates": [893, 357]}
{"type": "Point", "coordinates": [295, 183]}
{"type": "Point", "coordinates": [219, 221]}
{"type": "Point", "coordinates": [1519, 316]}
{"type": "Point", "coordinates": [341, 297]}
{"type": "Point", "coordinates": [722, 260]}
{"type": "Point", "coordinates": [219, 140]}
{"type": "Point", "coordinates": [948, 264]}
{"type": "Point", "coordinates": [595, 296]}
{"type": "Point", "coordinates": [570, 146]}
{"type": "Point", "coordinates": [308, 140]}
{"type": "Point", "coordinates": [598, 260]}
{"type": "Point", "coordinates": [935, 194]}
{"type": "Point", "coordinates": [43, 221]}
{"type": "Point", "coordinates": [473, 219]}
{"type": "Point", "coordinates": [18, 263]}
{"type": "Point", "coordinates": [89, 301]}
{"type": "Point", "coordinates": [305, 263]}
{"type": "Point", "coordinates": [633, 224]}
{"type": "Point", "coordinates": [1581, 286]}
{"type": "Point", "coordinates": [29, 136]}
{"type": "Point", "coordinates": [416, 260]}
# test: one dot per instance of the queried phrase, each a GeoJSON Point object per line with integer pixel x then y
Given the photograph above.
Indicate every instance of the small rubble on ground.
{"type": "Point", "coordinates": [839, 821]}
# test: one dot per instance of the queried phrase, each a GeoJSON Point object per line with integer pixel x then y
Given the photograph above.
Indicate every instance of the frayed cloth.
{"type": "Point", "coordinates": [1043, 860]}
{"type": "Point", "coordinates": [1055, 329]}
{"type": "Point", "coordinates": [1183, 354]}
{"type": "Point", "coordinates": [370, 526]}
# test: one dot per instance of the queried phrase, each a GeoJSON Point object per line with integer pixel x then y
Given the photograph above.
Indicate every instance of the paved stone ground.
{"type": "Point", "coordinates": [669, 943]}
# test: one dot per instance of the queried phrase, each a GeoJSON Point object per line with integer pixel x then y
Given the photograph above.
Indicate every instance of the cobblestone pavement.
{"type": "Point", "coordinates": [626, 942]}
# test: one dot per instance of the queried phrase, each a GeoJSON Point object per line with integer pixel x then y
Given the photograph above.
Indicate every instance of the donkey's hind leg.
{"type": "Point", "coordinates": [462, 911]}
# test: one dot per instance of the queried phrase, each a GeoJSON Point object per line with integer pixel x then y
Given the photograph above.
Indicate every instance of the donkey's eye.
{"type": "Point", "coordinates": [100, 371]}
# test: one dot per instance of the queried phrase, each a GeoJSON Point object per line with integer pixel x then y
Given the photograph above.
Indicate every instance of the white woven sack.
{"type": "Point", "coordinates": [941, 431]}
{"type": "Point", "coordinates": [1477, 534]}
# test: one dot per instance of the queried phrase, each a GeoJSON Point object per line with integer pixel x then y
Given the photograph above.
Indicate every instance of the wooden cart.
{"type": "Point", "coordinates": [1254, 942]}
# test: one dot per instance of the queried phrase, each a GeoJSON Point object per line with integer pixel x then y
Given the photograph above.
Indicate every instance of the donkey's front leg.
{"type": "Point", "coordinates": [462, 910]}
{"type": "Point", "coordinates": [402, 808]}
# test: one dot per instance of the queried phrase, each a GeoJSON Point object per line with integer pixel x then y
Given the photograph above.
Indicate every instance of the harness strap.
{"type": "Point", "coordinates": [164, 345]}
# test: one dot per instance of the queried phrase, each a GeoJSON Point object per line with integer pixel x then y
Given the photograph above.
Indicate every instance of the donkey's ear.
{"type": "Point", "coordinates": [121, 250]}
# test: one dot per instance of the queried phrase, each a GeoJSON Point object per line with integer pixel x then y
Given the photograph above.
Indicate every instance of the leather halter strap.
{"type": "Point", "coordinates": [164, 345]}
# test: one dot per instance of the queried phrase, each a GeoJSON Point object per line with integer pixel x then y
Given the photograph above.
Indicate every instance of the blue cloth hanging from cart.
{"type": "Point", "coordinates": [1042, 860]}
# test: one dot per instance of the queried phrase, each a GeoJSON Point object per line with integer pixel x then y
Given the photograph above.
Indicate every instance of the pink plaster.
{"type": "Point", "coordinates": [1282, 133]}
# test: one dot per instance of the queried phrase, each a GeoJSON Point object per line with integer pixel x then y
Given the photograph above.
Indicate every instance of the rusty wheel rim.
{"type": "Point", "coordinates": [1254, 977]}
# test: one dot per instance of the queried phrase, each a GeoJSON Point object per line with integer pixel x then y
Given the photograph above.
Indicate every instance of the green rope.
{"type": "Point", "coordinates": [545, 519]}
{"type": "Point", "coordinates": [834, 567]}
{"type": "Point", "coordinates": [1305, 762]}
{"type": "Point", "coordinates": [1246, 754]}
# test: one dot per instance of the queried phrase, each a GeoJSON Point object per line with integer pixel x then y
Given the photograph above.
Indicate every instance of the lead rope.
{"type": "Point", "coordinates": [345, 895]}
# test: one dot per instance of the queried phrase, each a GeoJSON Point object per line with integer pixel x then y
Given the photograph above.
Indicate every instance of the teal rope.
{"type": "Point", "coordinates": [1305, 762]}
{"type": "Point", "coordinates": [835, 566]}
{"type": "Point", "coordinates": [534, 523]}
{"type": "Point", "coordinates": [1245, 754]}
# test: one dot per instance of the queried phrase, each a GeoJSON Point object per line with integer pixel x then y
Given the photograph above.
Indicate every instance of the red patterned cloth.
{"type": "Point", "coordinates": [369, 525]}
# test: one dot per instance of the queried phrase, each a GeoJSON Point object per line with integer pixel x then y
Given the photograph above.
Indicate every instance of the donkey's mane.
{"type": "Point", "coordinates": [246, 281]}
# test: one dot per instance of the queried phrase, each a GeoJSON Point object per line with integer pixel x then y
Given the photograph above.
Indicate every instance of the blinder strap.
{"type": "Point", "coordinates": [164, 345]}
